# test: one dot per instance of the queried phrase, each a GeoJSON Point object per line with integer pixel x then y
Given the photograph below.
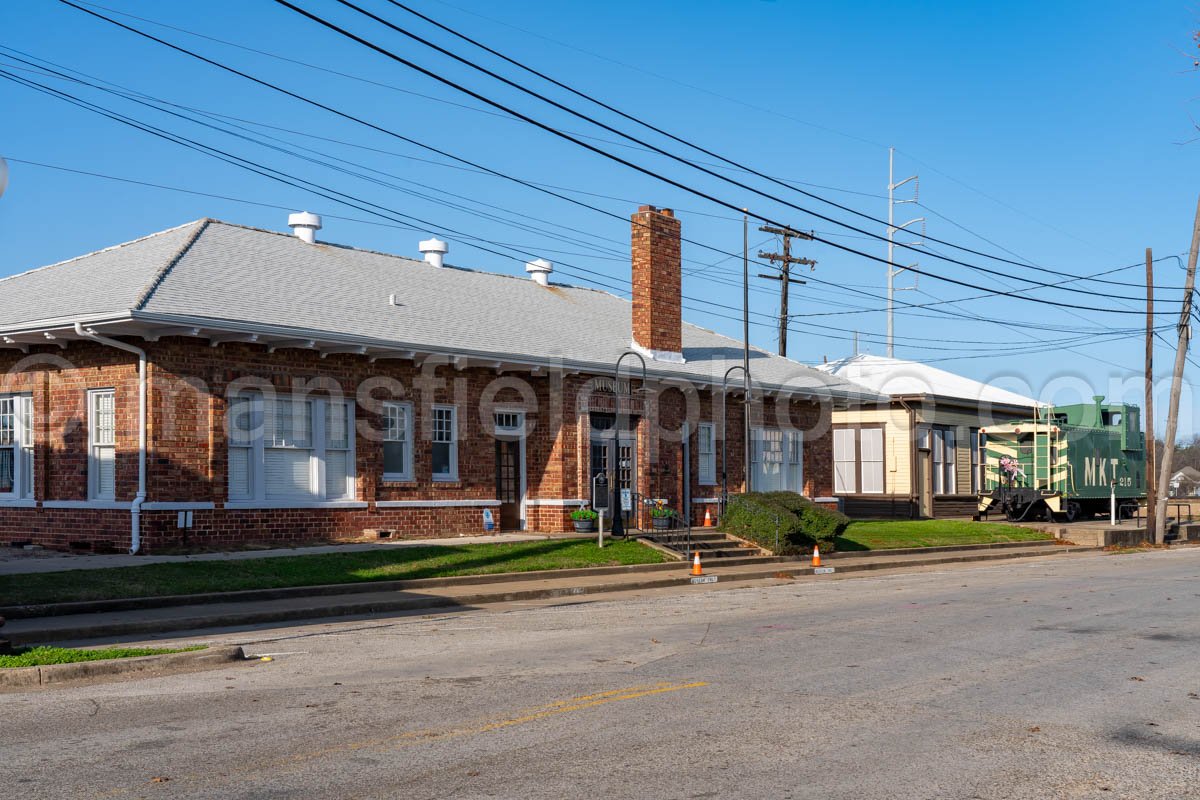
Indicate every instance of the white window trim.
{"type": "Point", "coordinates": [452, 475]}
{"type": "Point", "coordinates": [945, 469]}
{"type": "Point", "coordinates": [21, 494]}
{"type": "Point", "coordinates": [862, 462]}
{"type": "Point", "coordinates": [521, 432]}
{"type": "Point", "coordinates": [258, 463]}
{"type": "Point", "coordinates": [848, 485]}
{"type": "Point", "coordinates": [859, 475]}
{"type": "Point", "coordinates": [268, 504]}
{"type": "Point", "coordinates": [756, 435]}
{"type": "Point", "coordinates": [94, 494]}
{"type": "Point", "coordinates": [706, 474]}
{"type": "Point", "coordinates": [407, 474]}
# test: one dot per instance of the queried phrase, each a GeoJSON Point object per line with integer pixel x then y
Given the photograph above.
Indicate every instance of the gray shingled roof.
{"type": "Point", "coordinates": [239, 277]}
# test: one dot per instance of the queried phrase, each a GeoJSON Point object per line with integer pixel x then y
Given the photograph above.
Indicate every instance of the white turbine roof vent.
{"type": "Point", "coordinates": [305, 225]}
{"type": "Point", "coordinates": [539, 269]}
{"type": "Point", "coordinates": [434, 251]}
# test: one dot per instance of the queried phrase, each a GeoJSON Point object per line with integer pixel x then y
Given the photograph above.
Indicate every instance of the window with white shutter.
{"type": "Point", "coordinates": [8, 445]}
{"type": "Point", "coordinates": [290, 449]}
{"type": "Point", "coordinates": [858, 460]}
{"type": "Point", "coordinates": [338, 451]}
{"type": "Point", "coordinates": [288, 446]}
{"type": "Point", "coordinates": [242, 424]}
{"type": "Point", "coordinates": [397, 442]}
{"type": "Point", "coordinates": [445, 443]}
{"type": "Point", "coordinates": [16, 447]}
{"type": "Point", "coordinates": [795, 461]}
{"type": "Point", "coordinates": [102, 444]}
{"type": "Point", "coordinates": [944, 461]}
{"type": "Point", "coordinates": [845, 461]}
{"type": "Point", "coordinates": [870, 444]}
{"type": "Point", "coordinates": [706, 453]}
{"type": "Point", "coordinates": [777, 460]}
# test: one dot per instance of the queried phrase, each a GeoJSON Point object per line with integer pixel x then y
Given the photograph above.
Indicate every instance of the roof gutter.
{"type": "Point", "coordinates": [855, 395]}
{"type": "Point", "coordinates": [135, 509]}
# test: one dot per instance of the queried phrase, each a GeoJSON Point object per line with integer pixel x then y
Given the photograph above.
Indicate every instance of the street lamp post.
{"type": "Point", "coordinates": [614, 446]}
{"type": "Point", "coordinates": [724, 431]}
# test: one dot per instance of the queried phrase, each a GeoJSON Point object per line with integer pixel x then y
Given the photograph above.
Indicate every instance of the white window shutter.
{"type": "Point", "coordinates": [106, 472]}
{"type": "Point", "coordinates": [871, 444]}
{"type": "Point", "coordinates": [239, 473]}
{"type": "Point", "coordinates": [288, 473]}
{"type": "Point", "coordinates": [337, 467]}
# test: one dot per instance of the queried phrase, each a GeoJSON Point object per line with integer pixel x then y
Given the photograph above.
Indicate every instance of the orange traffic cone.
{"type": "Point", "coordinates": [816, 556]}
{"type": "Point", "coordinates": [708, 523]}
{"type": "Point", "coordinates": [696, 564]}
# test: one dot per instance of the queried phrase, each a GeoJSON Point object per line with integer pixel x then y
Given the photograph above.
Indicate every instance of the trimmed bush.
{"type": "Point", "coordinates": [818, 523]}
{"type": "Point", "coordinates": [801, 522]}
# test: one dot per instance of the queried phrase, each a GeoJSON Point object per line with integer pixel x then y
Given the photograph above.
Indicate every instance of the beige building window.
{"type": "Point", "coordinates": [858, 460]}
{"type": "Point", "coordinates": [945, 460]}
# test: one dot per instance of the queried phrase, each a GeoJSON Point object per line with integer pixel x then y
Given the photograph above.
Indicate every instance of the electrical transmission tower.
{"type": "Point", "coordinates": [785, 261]}
{"type": "Point", "coordinates": [892, 230]}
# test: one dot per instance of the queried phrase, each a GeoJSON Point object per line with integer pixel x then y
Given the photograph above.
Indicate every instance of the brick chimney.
{"type": "Point", "coordinates": [657, 319]}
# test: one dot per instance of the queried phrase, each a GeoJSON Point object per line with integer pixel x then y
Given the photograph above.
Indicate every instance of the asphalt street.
{"type": "Point", "coordinates": [1049, 678]}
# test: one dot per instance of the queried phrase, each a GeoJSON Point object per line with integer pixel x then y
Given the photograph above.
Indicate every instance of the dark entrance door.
{"type": "Point", "coordinates": [615, 453]}
{"type": "Point", "coordinates": [508, 483]}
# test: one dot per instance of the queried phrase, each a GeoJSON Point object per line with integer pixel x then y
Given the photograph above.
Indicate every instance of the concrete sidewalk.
{"type": "Point", "coordinates": [469, 592]}
{"type": "Point", "coordinates": [15, 561]}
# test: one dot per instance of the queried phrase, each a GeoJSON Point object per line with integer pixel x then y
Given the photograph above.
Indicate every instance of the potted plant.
{"type": "Point", "coordinates": [661, 517]}
{"type": "Point", "coordinates": [584, 519]}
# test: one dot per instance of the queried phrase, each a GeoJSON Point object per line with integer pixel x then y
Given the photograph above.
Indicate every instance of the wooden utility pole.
{"type": "Point", "coordinates": [1164, 470]}
{"type": "Point", "coordinates": [1151, 484]}
{"type": "Point", "coordinates": [785, 260]}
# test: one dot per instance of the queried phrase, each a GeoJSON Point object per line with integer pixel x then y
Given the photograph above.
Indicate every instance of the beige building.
{"type": "Point", "coordinates": [919, 454]}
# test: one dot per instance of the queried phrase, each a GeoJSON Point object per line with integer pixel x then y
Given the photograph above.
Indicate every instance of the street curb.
{"type": "Point", "coordinates": [379, 606]}
{"type": "Point", "coordinates": [34, 611]}
{"type": "Point", "coordinates": [949, 548]}
{"type": "Point", "coordinates": [165, 664]}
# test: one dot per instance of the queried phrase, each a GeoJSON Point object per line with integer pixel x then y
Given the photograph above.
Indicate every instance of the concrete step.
{"type": "Point", "coordinates": [682, 536]}
{"type": "Point", "coordinates": [727, 552]}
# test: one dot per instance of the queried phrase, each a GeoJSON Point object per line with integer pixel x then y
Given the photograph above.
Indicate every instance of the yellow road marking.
{"type": "Point", "coordinates": [540, 712]}
{"type": "Point", "coordinates": [430, 735]}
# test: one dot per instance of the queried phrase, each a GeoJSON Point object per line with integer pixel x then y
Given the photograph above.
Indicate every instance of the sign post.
{"type": "Point", "coordinates": [600, 498]}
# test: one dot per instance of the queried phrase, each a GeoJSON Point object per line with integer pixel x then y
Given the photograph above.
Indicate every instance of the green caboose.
{"type": "Point", "coordinates": [1065, 463]}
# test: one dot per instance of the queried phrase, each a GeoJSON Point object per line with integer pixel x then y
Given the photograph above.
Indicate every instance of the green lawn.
{"type": "Point", "coordinates": [887, 534]}
{"type": "Point", "coordinates": [42, 656]}
{"type": "Point", "coordinates": [384, 564]}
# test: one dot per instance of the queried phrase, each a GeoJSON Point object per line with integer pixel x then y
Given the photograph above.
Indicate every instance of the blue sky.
{"type": "Point", "coordinates": [1054, 130]}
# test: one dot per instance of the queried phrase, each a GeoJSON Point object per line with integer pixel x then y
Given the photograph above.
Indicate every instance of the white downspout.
{"type": "Point", "coordinates": [136, 507]}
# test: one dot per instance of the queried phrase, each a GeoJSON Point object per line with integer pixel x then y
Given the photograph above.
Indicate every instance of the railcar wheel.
{"type": "Point", "coordinates": [1046, 514]}
{"type": "Point", "coordinates": [1073, 511]}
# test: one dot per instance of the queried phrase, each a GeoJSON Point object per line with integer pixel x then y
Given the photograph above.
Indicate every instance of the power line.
{"type": "Point", "coordinates": [432, 98]}
{"type": "Point", "coordinates": [348, 116]}
{"type": "Point", "coordinates": [787, 181]}
{"type": "Point", "coordinates": [444, 153]}
{"type": "Point", "coordinates": [678, 184]}
{"type": "Point", "coordinates": [593, 99]}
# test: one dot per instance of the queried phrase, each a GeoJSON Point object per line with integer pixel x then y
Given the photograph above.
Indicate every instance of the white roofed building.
{"type": "Point", "coordinates": [917, 454]}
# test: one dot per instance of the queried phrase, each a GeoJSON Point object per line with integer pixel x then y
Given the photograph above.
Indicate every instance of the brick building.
{"type": "Point", "coordinates": [294, 390]}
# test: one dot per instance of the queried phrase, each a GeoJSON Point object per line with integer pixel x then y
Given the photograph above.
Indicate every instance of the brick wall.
{"type": "Point", "coordinates": [188, 462]}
